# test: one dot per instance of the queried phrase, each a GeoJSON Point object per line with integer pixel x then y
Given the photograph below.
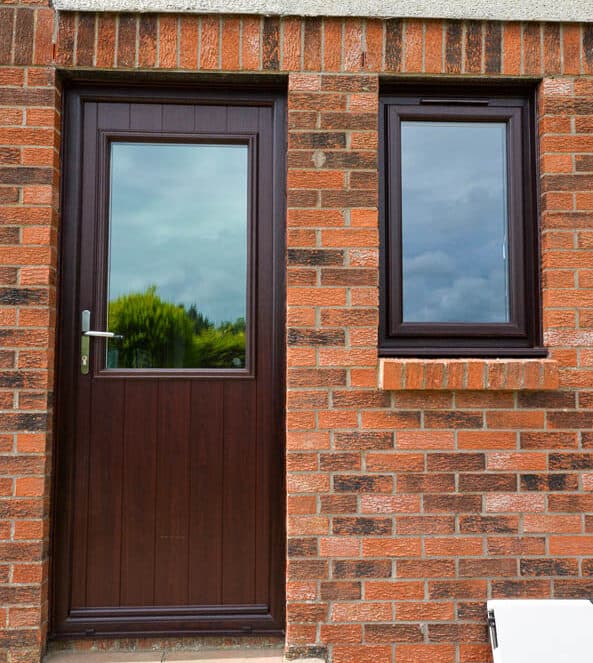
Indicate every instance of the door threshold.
{"type": "Point", "coordinates": [204, 656]}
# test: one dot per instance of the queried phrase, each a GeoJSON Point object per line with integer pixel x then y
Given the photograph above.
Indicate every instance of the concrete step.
{"type": "Point", "coordinates": [205, 656]}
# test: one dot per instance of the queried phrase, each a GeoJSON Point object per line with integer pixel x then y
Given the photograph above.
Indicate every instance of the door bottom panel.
{"type": "Point", "coordinates": [167, 621]}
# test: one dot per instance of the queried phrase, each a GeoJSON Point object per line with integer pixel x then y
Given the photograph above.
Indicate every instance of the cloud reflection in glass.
{"type": "Point", "coordinates": [454, 222]}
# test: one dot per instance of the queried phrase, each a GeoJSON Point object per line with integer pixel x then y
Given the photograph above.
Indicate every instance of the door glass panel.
{"type": "Point", "coordinates": [177, 285]}
{"type": "Point", "coordinates": [454, 222]}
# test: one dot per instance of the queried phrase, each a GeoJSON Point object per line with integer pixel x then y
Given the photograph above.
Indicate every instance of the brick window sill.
{"type": "Point", "coordinates": [468, 374]}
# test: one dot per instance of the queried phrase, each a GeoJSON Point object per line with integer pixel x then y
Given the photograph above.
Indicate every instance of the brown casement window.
{"type": "Point", "coordinates": [459, 275]}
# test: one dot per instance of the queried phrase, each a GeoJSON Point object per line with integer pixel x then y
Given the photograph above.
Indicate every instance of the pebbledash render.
{"type": "Point", "coordinates": [417, 487]}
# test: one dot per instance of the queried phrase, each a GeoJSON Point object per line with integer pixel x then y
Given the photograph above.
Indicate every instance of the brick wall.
{"type": "Point", "coordinates": [29, 143]}
{"type": "Point", "coordinates": [407, 507]}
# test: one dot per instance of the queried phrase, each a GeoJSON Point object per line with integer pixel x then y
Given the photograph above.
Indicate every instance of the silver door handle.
{"type": "Point", "coordinates": [87, 332]}
{"type": "Point", "coordinates": [101, 334]}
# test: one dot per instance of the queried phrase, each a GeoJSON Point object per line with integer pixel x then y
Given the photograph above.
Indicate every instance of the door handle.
{"type": "Point", "coordinates": [101, 334]}
{"type": "Point", "coordinates": [85, 345]}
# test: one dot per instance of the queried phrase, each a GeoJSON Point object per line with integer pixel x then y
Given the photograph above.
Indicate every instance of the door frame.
{"type": "Point", "coordinates": [258, 92]}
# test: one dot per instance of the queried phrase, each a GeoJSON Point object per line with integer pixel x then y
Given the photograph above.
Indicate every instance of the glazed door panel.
{"type": "Point", "coordinates": [169, 500]}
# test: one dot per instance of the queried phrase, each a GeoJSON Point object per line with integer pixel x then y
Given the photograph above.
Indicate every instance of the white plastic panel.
{"type": "Point", "coordinates": [543, 631]}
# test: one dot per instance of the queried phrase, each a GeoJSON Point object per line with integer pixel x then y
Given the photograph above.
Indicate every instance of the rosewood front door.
{"type": "Point", "coordinates": [169, 492]}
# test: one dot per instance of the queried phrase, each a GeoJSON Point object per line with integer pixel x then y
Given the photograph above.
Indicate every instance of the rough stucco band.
{"type": "Point", "coordinates": [503, 10]}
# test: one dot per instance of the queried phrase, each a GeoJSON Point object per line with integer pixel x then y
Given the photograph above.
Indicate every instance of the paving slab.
{"type": "Point", "coordinates": [205, 656]}
{"type": "Point", "coordinates": [104, 657]}
{"type": "Point", "coordinates": [227, 656]}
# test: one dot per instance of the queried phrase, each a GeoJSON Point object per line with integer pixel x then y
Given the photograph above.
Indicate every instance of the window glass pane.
{"type": "Point", "coordinates": [454, 222]}
{"type": "Point", "coordinates": [178, 255]}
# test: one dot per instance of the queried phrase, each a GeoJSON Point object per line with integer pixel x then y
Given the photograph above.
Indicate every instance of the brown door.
{"type": "Point", "coordinates": [169, 492]}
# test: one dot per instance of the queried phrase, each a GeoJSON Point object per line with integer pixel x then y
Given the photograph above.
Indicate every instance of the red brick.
{"type": "Point", "coordinates": [549, 524]}
{"type": "Point", "coordinates": [453, 47]}
{"type": "Point", "coordinates": [389, 504]}
{"type": "Point", "coordinates": [511, 64]}
{"type": "Point", "coordinates": [27, 573]}
{"type": "Point", "coordinates": [433, 56]}
{"type": "Point", "coordinates": [571, 545]}
{"type": "Point", "coordinates": [587, 49]}
{"type": "Point", "coordinates": [342, 547]}
{"type": "Point", "coordinates": [188, 46]}
{"type": "Point", "coordinates": [168, 42]}
{"type": "Point", "coordinates": [7, 18]}
{"type": "Point", "coordinates": [453, 547]}
{"type": "Point", "coordinates": [425, 440]}
{"type": "Point", "coordinates": [353, 55]}
{"type": "Point", "coordinates": [291, 49]}
{"type": "Point", "coordinates": [209, 43]}
{"type": "Point", "coordinates": [394, 590]}
{"type": "Point", "coordinates": [105, 55]}
{"type": "Point", "coordinates": [341, 633]}
{"type": "Point", "coordinates": [374, 37]}
{"type": "Point", "coordinates": [390, 420]}
{"type": "Point", "coordinates": [230, 43]}
{"type": "Point", "coordinates": [361, 612]}
{"type": "Point", "coordinates": [365, 654]}
{"type": "Point", "coordinates": [363, 217]}
{"type": "Point", "coordinates": [398, 547]}
{"type": "Point", "coordinates": [393, 44]}
{"type": "Point", "coordinates": [571, 47]}
{"type": "Point", "coordinates": [511, 503]}
{"type": "Point", "coordinates": [312, 44]}
{"type": "Point", "coordinates": [85, 39]}
{"type": "Point", "coordinates": [532, 48]}
{"type": "Point", "coordinates": [516, 461]}
{"type": "Point", "coordinates": [251, 43]}
{"type": "Point", "coordinates": [126, 41]}
{"type": "Point", "coordinates": [43, 46]}
{"type": "Point", "coordinates": [66, 34]}
{"type": "Point", "coordinates": [271, 44]}
{"type": "Point", "coordinates": [313, 179]}
{"type": "Point", "coordinates": [424, 652]}
{"type": "Point", "coordinates": [147, 40]}
{"type": "Point", "coordinates": [519, 420]}
{"type": "Point", "coordinates": [413, 36]}
{"type": "Point", "coordinates": [473, 47]}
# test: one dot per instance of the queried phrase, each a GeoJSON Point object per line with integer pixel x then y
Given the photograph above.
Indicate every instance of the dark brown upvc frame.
{"type": "Point", "coordinates": [106, 140]}
{"type": "Point", "coordinates": [521, 336]}
{"type": "Point", "coordinates": [172, 621]}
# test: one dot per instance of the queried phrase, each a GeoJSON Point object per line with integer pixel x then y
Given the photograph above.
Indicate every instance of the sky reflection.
{"type": "Point", "coordinates": [179, 221]}
{"type": "Point", "coordinates": [454, 230]}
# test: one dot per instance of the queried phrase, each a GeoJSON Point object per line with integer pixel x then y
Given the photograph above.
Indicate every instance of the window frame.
{"type": "Point", "coordinates": [521, 336]}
